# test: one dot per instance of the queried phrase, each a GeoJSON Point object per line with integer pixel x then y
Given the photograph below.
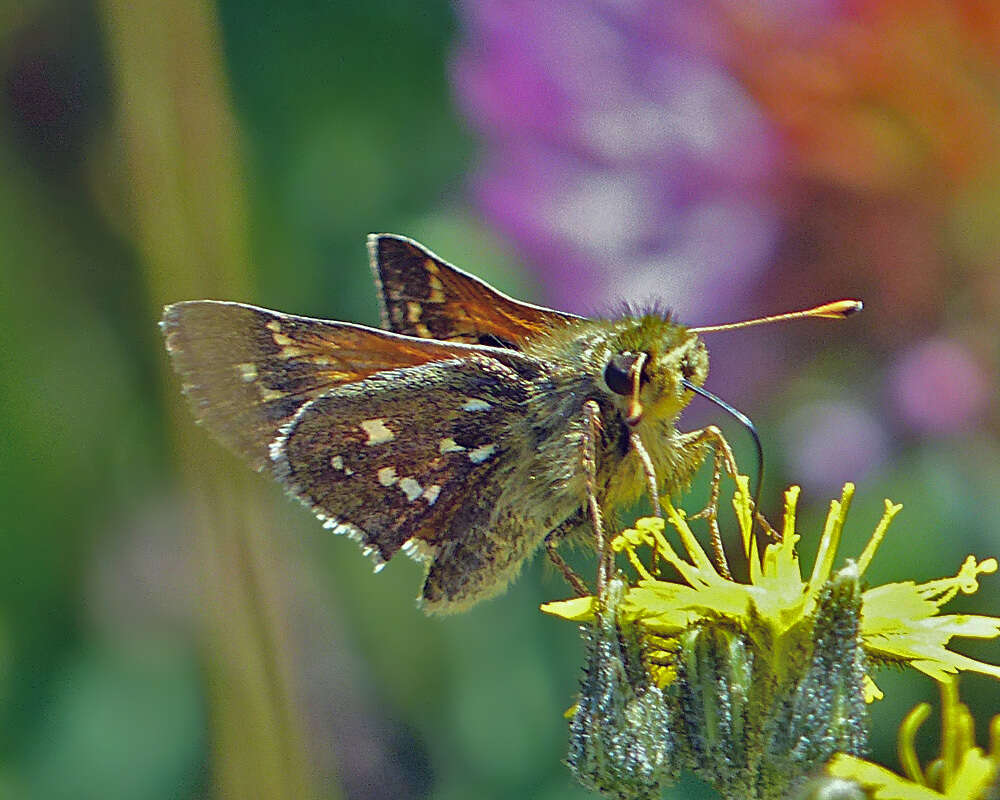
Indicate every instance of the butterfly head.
{"type": "Point", "coordinates": [645, 364]}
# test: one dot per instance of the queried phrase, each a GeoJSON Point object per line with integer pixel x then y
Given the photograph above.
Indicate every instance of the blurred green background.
{"type": "Point", "coordinates": [170, 625]}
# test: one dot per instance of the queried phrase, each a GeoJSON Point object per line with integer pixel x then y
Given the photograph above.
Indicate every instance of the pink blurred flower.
{"type": "Point", "coordinates": [830, 443]}
{"type": "Point", "coordinates": [938, 386]}
{"type": "Point", "coordinates": [621, 155]}
{"type": "Point", "coordinates": [714, 154]}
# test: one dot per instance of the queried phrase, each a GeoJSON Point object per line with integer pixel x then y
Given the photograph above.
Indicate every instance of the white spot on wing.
{"type": "Point", "coordinates": [376, 431]}
{"type": "Point", "coordinates": [481, 453]}
{"type": "Point", "coordinates": [436, 294]}
{"type": "Point", "coordinates": [248, 372]}
{"type": "Point", "coordinates": [475, 404]}
{"type": "Point", "coordinates": [431, 493]}
{"type": "Point", "coordinates": [387, 476]}
{"type": "Point", "coordinates": [411, 488]}
{"type": "Point", "coordinates": [418, 549]}
{"type": "Point", "coordinates": [337, 462]}
{"type": "Point", "coordinates": [449, 445]}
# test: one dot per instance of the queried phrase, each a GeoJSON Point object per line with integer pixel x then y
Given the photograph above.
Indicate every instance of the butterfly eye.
{"type": "Point", "coordinates": [618, 373]}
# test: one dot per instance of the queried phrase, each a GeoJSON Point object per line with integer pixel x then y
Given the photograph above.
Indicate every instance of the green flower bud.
{"type": "Point", "coordinates": [820, 708]}
{"type": "Point", "coordinates": [620, 740]}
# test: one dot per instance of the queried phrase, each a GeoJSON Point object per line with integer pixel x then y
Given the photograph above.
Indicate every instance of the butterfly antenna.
{"type": "Point", "coordinates": [839, 309]}
{"type": "Point", "coordinates": [747, 423]}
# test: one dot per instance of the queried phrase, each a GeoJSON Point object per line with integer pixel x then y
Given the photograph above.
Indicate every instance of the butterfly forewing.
{"type": "Point", "coordinates": [248, 371]}
{"type": "Point", "coordinates": [358, 460]}
{"type": "Point", "coordinates": [422, 295]}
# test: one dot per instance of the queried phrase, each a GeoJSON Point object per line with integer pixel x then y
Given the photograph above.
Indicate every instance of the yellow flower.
{"type": "Point", "coordinates": [963, 771]}
{"type": "Point", "coordinates": [899, 621]}
{"type": "Point", "coordinates": [753, 686]}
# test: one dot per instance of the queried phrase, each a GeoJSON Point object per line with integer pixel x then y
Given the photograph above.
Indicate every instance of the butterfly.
{"type": "Point", "coordinates": [467, 433]}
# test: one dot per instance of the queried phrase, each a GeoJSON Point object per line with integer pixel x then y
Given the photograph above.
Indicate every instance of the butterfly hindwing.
{"type": "Point", "coordinates": [423, 295]}
{"type": "Point", "coordinates": [357, 458]}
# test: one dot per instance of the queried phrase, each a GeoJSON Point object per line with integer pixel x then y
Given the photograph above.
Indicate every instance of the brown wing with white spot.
{"type": "Point", "coordinates": [248, 370]}
{"type": "Point", "coordinates": [406, 456]}
{"type": "Point", "coordinates": [422, 295]}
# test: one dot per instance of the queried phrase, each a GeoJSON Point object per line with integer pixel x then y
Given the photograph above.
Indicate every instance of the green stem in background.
{"type": "Point", "coordinates": [188, 214]}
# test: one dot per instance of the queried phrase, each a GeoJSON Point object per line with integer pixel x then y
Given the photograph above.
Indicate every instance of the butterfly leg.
{"type": "Point", "coordinates": [588, 456]}
{"type": "Point", "coordinates": [649, 471]}
{"type": "Point", "coordinates": [652, 483]}
{"type": "Point", "coordinates": [551, 548]}
{"type": "Point", "coordinates": [724, 461]}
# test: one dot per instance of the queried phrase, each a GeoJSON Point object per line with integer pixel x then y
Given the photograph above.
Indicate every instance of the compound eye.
{"type": "Point", "coordinates": [618, 373]}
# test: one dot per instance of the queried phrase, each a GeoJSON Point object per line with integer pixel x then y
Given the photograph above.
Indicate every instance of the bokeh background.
{"type": "Point", "coordinates": [170, 625]}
